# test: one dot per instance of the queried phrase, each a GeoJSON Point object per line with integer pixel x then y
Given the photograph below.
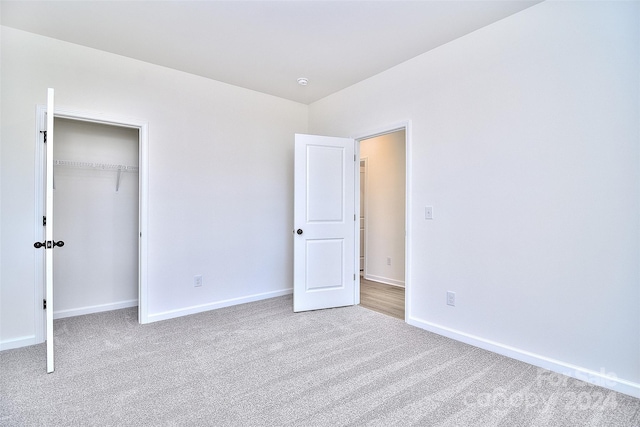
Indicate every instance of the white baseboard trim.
{"type": "Point", "coordinates": [18, 342]}
{"type": "Point", "coordinates": [384, 280]}
{"type": "Point", "coordinates": [171, 314]}
{"type": "Point", "coordinates": [602, 378]}
{"type": "Point", "coordinates": [61, 314]}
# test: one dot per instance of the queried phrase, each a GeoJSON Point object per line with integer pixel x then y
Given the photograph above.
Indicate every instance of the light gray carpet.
{"type": "Point", "coordinates": [261, 364]}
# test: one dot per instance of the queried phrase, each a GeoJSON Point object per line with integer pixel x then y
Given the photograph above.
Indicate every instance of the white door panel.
{"type": "Point", "coordinates": [325, 264]}
{"type": "Point", "coordinates": [324, 209]}
{"type": "Point", "coordinates": [325, 184]}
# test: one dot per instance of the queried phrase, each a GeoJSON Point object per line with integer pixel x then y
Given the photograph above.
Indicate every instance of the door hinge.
{"type": "Point", "coordinates": [45, 135]}
{"type": "Point", "coordinates": [44, 304]}
{"type": "Point", "coordinates": [354, 217]}
{"type": "Point", "coordinates": [44, 221]}
{"type": "Point", "coordinates": [354, 157]}
{"type": "Point", "coordinates": [354, 276]}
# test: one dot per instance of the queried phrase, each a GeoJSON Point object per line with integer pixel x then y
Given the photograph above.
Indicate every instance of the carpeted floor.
{"type": "Point", "coordinates": [260, 364]}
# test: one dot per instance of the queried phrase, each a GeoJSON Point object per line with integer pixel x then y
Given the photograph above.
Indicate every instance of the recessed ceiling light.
{"type": "Point", "coordinates": [303, 81]}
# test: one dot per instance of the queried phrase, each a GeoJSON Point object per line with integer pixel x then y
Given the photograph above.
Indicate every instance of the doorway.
{"type": "Point", "coordinates": [383, 203]}
{"type": "Point", "coordinates": [95, 177]}
{"type": "Point", "coordinates": [135, 125]}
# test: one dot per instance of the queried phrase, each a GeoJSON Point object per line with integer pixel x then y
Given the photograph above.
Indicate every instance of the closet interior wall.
{"type": "Point", "coordinates": [96, 215]}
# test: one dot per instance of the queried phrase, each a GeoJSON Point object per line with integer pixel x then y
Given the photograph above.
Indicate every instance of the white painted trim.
{"type": "Point", "coordinates": [18, 342]}
{"type": "Point", "coordinates": [61, 314]}
{"type": "Point", "coordinates": [143, 247]}
{"type": "Point", "coordinates": [384, 280]}
{"type": "Point", "coordinates": [602, 379]}
{"type": "Point", "coordinates": [383, 130]}
{"type": "Point", "coordinates": [372, 133]}
{"type": "Point", "coordinates": [194, 309]}
{"type": "Point", "coordinates": [366, 209]}
{"type": "Point", "coordinates": [143, 176]}
{"type": "Point", "coordinates": [356, 224]}
{"type": "Point", "coordinates": [408, 294]}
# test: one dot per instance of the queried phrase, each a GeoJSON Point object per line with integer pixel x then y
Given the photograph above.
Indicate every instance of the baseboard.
{"type": "Point", "coordinates": [31, 340]}
{"type": "Point", "coordinates": [602, 378]}
{"type": "Point", "coordinates": [171, 314]}
{"type": "Point", "coordinates": [61, 314]}
{"type": "Point", "coordinates": [384, 280]}
{"type": "Point", "coordinates": [18, 342]}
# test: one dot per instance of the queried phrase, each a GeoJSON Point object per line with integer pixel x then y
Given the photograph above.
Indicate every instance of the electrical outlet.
{"type": "Point", "coordinates": [451, 298]}
{"type": "Point", "coordinates": [428, 212]}
{"type": "Point", "coordinates": [388, 260]}
{"type": "Point", "coordinates": [197, 280]}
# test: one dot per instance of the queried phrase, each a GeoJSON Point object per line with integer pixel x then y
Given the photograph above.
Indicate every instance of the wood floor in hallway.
{"type": "Point", "coordinates": [383, 298]}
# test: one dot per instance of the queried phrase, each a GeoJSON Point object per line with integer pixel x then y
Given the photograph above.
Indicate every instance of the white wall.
{"type": "Point", "coordinates": [97, 269]}
{"type": "Point", "coordinates": [220, 176]}
{"type": "Point", "coordinates": [385, 207]}
{"type": "Point", "coordinates": [524, 138]}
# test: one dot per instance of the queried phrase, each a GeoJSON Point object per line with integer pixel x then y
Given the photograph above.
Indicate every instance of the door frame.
{"type": "Point", "coordinates": [143, 201]}
{"type": "Point", "coordinates": [363, 204]}
{"type": "Point", "coordinates": [384, 130]}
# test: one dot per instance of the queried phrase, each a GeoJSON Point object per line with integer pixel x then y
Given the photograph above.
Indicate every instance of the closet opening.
{"type": "Point", "coordinates": [100, 211]}
{"type": "Point", "coordinates": [96, 193]}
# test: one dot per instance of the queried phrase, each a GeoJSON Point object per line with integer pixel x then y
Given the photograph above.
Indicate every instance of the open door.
{"type": "Point", "coordinates": [325, 267]}
{"type": "Point", "coordinates": [49, 244]}
{"type": "Point", "coordinates": [48, 233]}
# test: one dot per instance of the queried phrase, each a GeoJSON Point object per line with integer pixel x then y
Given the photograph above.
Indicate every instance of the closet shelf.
{"type": "Point", "coordinates": [101, 166]}
{"type": "Point", "coordinates": [89, 165]}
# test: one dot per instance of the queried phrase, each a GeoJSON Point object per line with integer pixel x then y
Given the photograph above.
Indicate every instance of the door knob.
{"type": "Point", "coordinates": [299, 231]}
{"type": "Point", "coordinates": [48, 244]}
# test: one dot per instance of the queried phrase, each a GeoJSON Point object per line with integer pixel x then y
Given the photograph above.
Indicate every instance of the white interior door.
{"type": "Point", "coordinates": [325, 264]}
{"type": "Point", "coordinates": [49, 242]}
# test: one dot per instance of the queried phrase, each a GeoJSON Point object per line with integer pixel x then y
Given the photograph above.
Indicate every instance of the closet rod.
{"type": "Point", "coordinates": [102, 166]}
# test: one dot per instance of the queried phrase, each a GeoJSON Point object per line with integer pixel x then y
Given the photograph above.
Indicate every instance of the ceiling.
{"type": "Point", "coordinates": [263, 45]}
